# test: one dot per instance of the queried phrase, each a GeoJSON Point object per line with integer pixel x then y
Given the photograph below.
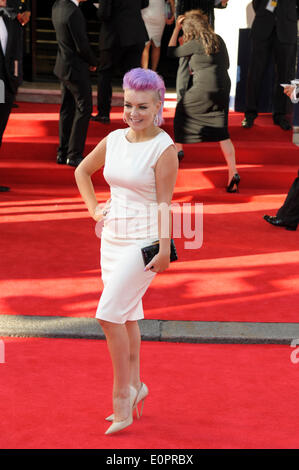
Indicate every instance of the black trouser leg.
{"type": "Point", "coordinates": [104, 81]}
{"type": "Point", "coordinates": [104, 91]}
{"type": "Point", "coordinates": [5, 109]}
{"type": "Point", "coordinates": [76, 117]}
{"type": "Point", "coordinates": [67, 113]}
{"type": "Point", "coordinates": [285, 60]}
{"type": "Point", "coordinates": [125, 58]}
{"type": "Point", "coordinates": [259, 58]}
{"type": "Point", "coordinates": [131, 57]}
{"type": "Point", "coordinates": [289, 211]}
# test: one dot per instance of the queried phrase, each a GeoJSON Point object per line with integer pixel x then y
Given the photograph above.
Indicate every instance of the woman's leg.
{"type": "Point", "coordinates": [134, 342]}
{"type": "Point", "coordinates": [145, 55]}
{"type": "Point", "coordinates": [155, 57]}
{"type": "Point", "coordinates": [119, 349]}
{"type": "Point", "coordinates": [228, 151]}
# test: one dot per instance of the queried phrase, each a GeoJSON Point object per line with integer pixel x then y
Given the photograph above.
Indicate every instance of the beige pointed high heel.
{"type": "Point", "coordinates": [117, 426]}
{"type": "Point", "coordinates": [141, 396]}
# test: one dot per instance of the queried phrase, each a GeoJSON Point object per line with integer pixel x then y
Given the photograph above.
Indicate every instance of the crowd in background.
{"type": "Point", "coordinates": [130, 33]}
{"type": "Point", "coordinates": [14, 15]}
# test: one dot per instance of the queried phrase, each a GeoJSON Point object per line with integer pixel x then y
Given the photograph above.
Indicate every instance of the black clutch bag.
{"type": "Point", "coordinates": [148, 252]}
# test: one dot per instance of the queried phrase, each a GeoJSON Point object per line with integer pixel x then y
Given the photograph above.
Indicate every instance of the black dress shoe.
{"type": "Point", "coordinates": [4, 189]}
{"type": "Point", "coordinates": [180, 155]}
{"type": "Point", "coordinates": [283, 123]}
{"type": "Point", "coordinates": [61, 159]}
{"type": "Point", "coordinates": [102, 119]}
{"type": "Point", "coordinates": [74, 162]}
{"type": "Point", "coordinates": [248, 121]}
{"type": "Point", "coordinates": [273, 220]}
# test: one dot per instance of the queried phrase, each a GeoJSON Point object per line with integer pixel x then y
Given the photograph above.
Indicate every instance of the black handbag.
{"type": "Point", "coordinates": [148, 252]}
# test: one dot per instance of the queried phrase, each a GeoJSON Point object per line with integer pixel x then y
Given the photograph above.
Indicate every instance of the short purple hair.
{"type": "Point", "coordinates": [140, 79]}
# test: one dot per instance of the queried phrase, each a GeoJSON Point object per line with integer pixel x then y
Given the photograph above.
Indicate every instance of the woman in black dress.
{"type": "Point", "coordinates": [202, 112]}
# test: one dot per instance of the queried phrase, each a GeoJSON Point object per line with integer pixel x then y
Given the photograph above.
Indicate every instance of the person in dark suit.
{"type": "Point", "coordinates": [74, 61]}
{"type": "Point", "coordinates": [274, 29]}
{"type": "Point", "coordinates": [288, 214]}
{"type": "Point", "coordinates": [206, 6]}
{"type": "Point", "coordinates": [184, 79]}
{"type": "Point", "coordinates": [20, 12]}
{"type": "Point", "coordinates": [9, 68]}
{"type": "Point", "coordinates": [121, 42]}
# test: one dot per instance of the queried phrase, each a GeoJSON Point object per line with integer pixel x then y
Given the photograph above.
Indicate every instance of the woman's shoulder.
{"type": "Point", "coordinates": [165, 137]}
{"type": "Point", "coordinates": [164, 141]}
{"type": "Point", "coordinates": [116, 134]}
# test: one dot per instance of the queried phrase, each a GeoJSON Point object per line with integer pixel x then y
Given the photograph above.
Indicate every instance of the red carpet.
{"type": "Point", "coordinates": [55, 394]}
{"type": "Point", "coordinates": [245, 270]}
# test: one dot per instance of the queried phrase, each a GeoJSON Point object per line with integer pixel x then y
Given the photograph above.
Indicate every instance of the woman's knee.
{"type": "Point", "coordinates": [107, 325]}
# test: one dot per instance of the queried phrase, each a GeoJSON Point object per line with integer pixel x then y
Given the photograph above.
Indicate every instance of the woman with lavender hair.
{"type": "Point", "coordinates": [140, 165]}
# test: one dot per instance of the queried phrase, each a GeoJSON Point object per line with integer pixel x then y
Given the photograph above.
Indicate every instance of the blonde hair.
{"type": "Point", "coordinates": [197, 26]}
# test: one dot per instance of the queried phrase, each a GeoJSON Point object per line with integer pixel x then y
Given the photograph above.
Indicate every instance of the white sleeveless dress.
{"type": "Point", "coordinates": [131, 223]}
{"type": "Point", "coordinates": [154, 20]}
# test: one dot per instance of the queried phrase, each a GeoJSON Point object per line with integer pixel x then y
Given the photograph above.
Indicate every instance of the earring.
{"type": "Point", "coordinates": [156, 120]}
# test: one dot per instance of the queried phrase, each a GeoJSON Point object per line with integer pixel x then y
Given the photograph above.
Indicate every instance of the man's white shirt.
{"type": "Point", "coordinates": [3, 35]}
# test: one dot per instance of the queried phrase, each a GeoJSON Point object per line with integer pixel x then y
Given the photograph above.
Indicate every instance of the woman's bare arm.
{"type": "Point", "coordinates": [166, 174]}
{"type": "Point", "coordinates": [89, 165]}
